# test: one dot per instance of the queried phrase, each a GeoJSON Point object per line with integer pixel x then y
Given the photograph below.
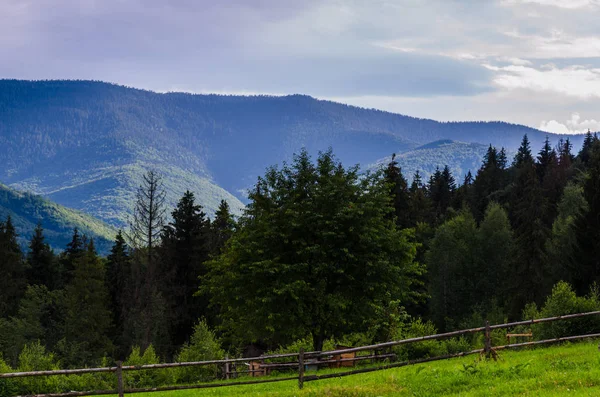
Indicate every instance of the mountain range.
{"type": "Point", "coordinates": [85, 144]}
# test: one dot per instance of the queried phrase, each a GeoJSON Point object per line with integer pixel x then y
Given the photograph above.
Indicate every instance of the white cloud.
{"type": "Point", "coordinates": [570, 4]}
{"type": "Point", "coordinates": [575, 81]}
{"type": "Point", "coordinates": [572, 126]}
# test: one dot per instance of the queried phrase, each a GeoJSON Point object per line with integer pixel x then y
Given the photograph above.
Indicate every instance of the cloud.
{"type": "Point", "coordinates": [575, 81]}
{"type": "Point", "coordinates": [575, 125]}
{"type": "Point", "coordinates": [570, 4]}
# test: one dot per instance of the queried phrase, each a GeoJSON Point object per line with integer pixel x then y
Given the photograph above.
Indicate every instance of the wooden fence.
{"type": "Point", "coordinates": [302, 360]}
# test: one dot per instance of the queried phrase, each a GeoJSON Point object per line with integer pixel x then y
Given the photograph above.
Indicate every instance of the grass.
{"type": "Point", "coordinates": [570, 369]}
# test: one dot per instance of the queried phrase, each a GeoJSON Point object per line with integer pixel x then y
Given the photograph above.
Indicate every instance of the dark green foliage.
{"type": "Point", "coordinates": [202, 346]}
{"type": "Point", "coordinates": [316, 253]}
{"type": "Point", "coordinates": [43, 267]}
{"type": "Point", "coordinates": [561, 301]}
{"type": "Point", "coordinates": [185, 248]}
{"type": "Point", "coordinates": [588, 227]}
{"type": "Point", "coordinates": [87, 314]}
{"type": "Point", "coordinates": [119, 280]}
{"type": "Point", "coordinates": [12, 269]}
{"type": "Point", "coordinates": [221, 228]}
{"type": "Point", "coordinates": [399, 193]}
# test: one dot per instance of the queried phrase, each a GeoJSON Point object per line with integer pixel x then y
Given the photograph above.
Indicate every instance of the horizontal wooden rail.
{"type": "Point", "coordinates": [305, 356]}
{"type": "Point", "coordinates": [457, 333]}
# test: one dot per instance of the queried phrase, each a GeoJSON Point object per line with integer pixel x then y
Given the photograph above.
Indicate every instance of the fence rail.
{"type": "Point", "coordinates": [305, 358]}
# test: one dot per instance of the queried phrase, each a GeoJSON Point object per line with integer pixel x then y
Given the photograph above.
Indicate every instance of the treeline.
{"type": "Point", "coordinates": [322, 253]}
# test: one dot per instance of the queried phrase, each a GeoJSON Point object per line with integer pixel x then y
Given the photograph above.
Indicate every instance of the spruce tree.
{"type": "Point", "coordinates": [42, 265]}
{"type": "Point", "coordinates": [529, 214]}
{"type": "Point", "coordinates": [185, 244]}
{"type": "Point", "coordinates": [12, 269]}
{"type": "Point", "coordinates": [88, 318]}
{"type": "Point", "coordinates": [588, 226]}
{"type": "Point", "coordinates": [420, 205]}
{"type": "Point", "coordinates": [399, 193]}
{"type": "Point", "coordinates": [119, 281]}
{"type": "Point", "coordinates": [222, 228]}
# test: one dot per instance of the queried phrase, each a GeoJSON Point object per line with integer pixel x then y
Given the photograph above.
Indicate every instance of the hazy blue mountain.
{"type": "Point", "coordinates": [85, 144]}
{"type": "Point", "coordinates": [27, 209]}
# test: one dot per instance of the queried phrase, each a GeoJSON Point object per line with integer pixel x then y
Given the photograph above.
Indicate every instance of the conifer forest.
{"type": "Point", "coordinates": [323, 253]}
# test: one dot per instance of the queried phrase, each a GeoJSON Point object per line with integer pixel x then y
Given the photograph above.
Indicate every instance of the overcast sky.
{"type": "Point", "coordinates": [534, 62]}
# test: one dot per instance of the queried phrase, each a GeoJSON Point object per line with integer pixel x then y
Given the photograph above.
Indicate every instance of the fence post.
{"type": "Point", "coordinates": [227, 367]}
{"type": "Point", "coordinates": [301, 368]}
{"type": "Point", "coordinates": [488, 340]}
{"type": "Point", "coordinates": [120, 388]}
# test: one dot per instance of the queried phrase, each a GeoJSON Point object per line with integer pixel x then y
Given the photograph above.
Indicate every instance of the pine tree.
{"type": "Point", "coordinates": [523, 155]}
{"type": "Point", "coordinates": [12, 269]}
{"type": "Point", "coordinates": [399, 193]}
{"type": "Point", "coordinates": [420, 205]}
{"type": "Point", "coordinates": [73, 251]}
{"type": "Point", "coordinates": [529, 214]}
{"type": "Point", "coordinates": [184, 251]}
{"type": "Point", "coordinates": [588, 226]}
{"type": "Point", "coordinates": [585, 152]}
{"type": "Point", "coordinates": [222, 228]}
{"type": "Point", "coordinates": [42, 265]}
{"type": "Point", "coordinates": [119, 281]}
{"type": "Point", "coordinates": [88, 318]}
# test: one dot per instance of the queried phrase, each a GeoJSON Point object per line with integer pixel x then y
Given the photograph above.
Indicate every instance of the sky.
{"type": "Point", "coordinates": [532, 62]}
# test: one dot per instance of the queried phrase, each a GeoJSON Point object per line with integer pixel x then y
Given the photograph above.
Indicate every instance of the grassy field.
{"type": "Point", "coordinates": [572, 369]}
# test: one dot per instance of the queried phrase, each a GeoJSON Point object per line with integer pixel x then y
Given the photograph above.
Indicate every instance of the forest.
{"type": "Point", "coordinates": [323, 254]}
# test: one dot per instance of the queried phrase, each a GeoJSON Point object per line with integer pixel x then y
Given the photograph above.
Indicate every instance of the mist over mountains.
{"type": "Point", "coordinates": [85, 144]}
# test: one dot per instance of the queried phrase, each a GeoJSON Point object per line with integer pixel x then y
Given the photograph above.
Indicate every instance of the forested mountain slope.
{"type": "Point", "coordinates": [26, 210]}
{"type": "Point", "coordinates": [85, 144]}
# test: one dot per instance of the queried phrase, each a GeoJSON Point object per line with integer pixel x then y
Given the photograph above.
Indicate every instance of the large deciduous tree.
{"type": "Point", "coordinates": [316, 253]}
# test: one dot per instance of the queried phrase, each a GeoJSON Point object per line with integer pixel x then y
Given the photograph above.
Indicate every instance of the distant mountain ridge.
{"type": "Point", "coordinates": [27, 210]}
{"type": "Point", "coordinates": [85, 144]}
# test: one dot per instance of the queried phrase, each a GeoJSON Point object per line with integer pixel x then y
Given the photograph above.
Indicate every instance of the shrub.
{"type": "Point", "coordinates": [145, 378]}
{"type": "Point", "coordinates": [35, 358]}
{"type": "Point", "coordinates": [203, 346]}
{"type": "Point", "coordinates": [8, 387]}
{"type": "Point", "coordinates": [563, 300]}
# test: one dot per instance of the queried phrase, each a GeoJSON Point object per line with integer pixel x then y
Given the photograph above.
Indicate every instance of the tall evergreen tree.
{"type": "Point", "coordinates": [12, 269]}
{"type": "Point", "coordinates": [420, 205]}
{"type": "Point", "coordinates": [119, 280]}
{"type": "Point", "coordinates": [184, 251]}
{"type": "Point", "coordinates": [222, 228]}
{"type": "Point", "coordinates": [88, 318]}
{"type": "Point", "coordinates": [588, 226]}
{"type": "Point", "coordinates": [42, 265]}
{"type": "Point", "coordinates": [529, 212]}
{"type": "Point", "coordinates": [585, 152]}
{"type": "Point", "coordinates": [399, 193]}
{"type": "Point", "coordinates": [523, 155]}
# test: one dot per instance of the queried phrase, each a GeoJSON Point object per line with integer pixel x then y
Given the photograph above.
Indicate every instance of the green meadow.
{"type": "Point", "coordinates": [570, 369]}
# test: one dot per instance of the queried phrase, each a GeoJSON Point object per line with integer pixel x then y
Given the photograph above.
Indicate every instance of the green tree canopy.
{"type": "Point", "coordinates": [315, 254]}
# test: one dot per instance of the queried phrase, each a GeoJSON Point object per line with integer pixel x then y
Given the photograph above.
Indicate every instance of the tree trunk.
{"type": "Point", "coordinates": [318, 339]}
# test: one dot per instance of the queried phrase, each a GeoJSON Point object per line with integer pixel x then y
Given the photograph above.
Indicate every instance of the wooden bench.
{"type": "Point", "coordinates": [528, 335]}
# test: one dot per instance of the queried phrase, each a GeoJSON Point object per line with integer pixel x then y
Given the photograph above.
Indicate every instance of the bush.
{"type": "Point", "coordinates": [563, 300]}
{"type": "Point", "coordinates": [429, 348]}
{"type": "Point", "coordinates": [203, 346]}
{"type": "Point", "coordinates": [8, 387]}
{"type": "Point", "coordinates": [145, 378]}
{"type": "Point", "coordinates": [35, 358]}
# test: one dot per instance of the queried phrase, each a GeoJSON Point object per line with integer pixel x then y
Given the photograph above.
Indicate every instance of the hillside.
{"type": "Point", "coordinates": [460, 156]}
{"type": "Point", "coordinates": [84, 144]}
{"type": "Point", "coordinates": [27, 209]}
